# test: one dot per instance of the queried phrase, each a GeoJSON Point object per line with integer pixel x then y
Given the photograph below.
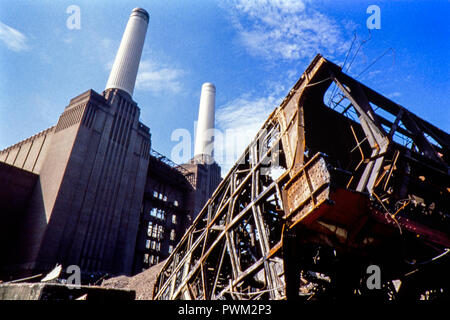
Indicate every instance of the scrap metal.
{"type": "Point", "coordinates": [320, 194]}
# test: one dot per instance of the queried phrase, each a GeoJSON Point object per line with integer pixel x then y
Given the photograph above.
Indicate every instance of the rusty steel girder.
{"type": "Point", "coordinates": [322, 192]}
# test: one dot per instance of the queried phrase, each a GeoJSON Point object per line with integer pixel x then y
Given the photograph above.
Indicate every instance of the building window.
{"type": "Point", "coordinates": [164, 198]}
{"type": "Point", "coordinates": [153, 245]}
{"type": "Point", "coordinates": [153, 212]}
{"type": "Point", "coordinates": [152, 258]}
{"type": "Point", "coordinates": [146, 258]}
{"type": "Point", "coordinates": [172, 234]}
{"type": "Point", "coordinates": [155, 194]}
{"type": "Point", "coordinates": [158, 246]}
{"type": "Point", "coordinates": [147, 244]}
{"type": "Point", "coordinates": [174, 219]}
{"type": "Point", "coordinates": [150, 229]}
{"type": "Point", "coordinates": [161, 214]}
{"type": "Point", "coordinates": [160, 232]}
{"type": "Point", "coordinates": [175, 203]}
{"type": "Point", "coordinates": [157, 260]}
{"type": "Point", "coordinates": [155, 231]}
{"type": "Point", "coordinates": [170, 249]}
{"type": "Point", "coordinates": [160, 196]}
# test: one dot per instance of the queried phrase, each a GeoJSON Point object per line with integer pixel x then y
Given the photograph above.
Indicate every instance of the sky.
{"type": "Point", "coordinates": [253, 51]}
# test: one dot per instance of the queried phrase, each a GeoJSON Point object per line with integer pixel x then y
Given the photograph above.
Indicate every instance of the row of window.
{"type": "Point", "coordinates": [161, 214]}
{"type": "Point", "coordinates": [151, 259]}
{"type": "Point", "coordinates": [158, 213]}
{"type": "Point", "coordinates": [154, 259]}
{"type": "Point", "coordinates": [156, 245]}
{"type": "Point", "coordinates": [157, 231]}
{"type": "Point", "coordinates": [152, 244]}
{"type": "Point", "coordinates": [163, 197]}
{"type": "Point", "coordinates": [159, 196]}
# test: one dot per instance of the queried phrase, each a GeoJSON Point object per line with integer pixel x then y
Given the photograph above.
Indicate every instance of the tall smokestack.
{"type": "Point", "coordinates": [125, 67]}
{"type": "Point", "coordinates": [205, 125]}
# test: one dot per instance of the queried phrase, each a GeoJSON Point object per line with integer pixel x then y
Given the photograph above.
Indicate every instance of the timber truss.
{"type": "Point", "coordinates": [320, 194]}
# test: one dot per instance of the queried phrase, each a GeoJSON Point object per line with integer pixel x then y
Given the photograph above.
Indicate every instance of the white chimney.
{"type": "Point", "coordinates": [205, 126]}
{"type": "Point", "coordinates": [126, 64]}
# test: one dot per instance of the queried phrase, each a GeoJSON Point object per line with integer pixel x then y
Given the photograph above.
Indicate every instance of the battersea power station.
{"type": "Point", "coordinates": [90, 191]}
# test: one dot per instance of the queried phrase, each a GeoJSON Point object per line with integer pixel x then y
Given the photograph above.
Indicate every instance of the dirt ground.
{"type": "Point", "coordinates": [142, 283]}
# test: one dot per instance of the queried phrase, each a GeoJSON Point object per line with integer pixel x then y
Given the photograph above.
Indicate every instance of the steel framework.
{"type": "Point", "coordinates": [320, 194]}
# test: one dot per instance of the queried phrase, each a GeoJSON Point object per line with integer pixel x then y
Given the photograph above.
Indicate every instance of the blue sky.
{"type": "Point", "coordinates": [253, 51]}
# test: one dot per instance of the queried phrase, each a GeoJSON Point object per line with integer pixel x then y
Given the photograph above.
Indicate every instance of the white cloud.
{"type": "Point", "coordinates": [106, 50]}
{"type": "Point", "coordinates": [12, 38]}
{"type": "Point", "coordinates": [46, 109]}
{"type": "Point", "coordinates": [68, 40]}
{"type": "Point", "coordinates": [238, 122]}
{"type": "Point", "coordinates": [158, 78]}
{"type": "Point", "coordinates": [107, 43]}
{"type": "Point", "coordinates": [287, 29]}
{"type": "Point", "coordinates": [287, 33]}
{"type": "Point", "coordinates": [394, 94]}
{"type": "Point", "coordinates": [372, 74]}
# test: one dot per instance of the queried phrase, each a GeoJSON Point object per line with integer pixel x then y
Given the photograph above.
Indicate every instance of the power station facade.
{"type": "Point", "coordinates": [90, 191]}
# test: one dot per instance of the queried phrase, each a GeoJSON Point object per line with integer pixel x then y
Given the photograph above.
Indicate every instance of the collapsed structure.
{"type": "Point", "coordinates": [321, 194]}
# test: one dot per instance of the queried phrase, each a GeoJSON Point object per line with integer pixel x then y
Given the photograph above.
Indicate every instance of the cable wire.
{"type": "Point", "coordinates": [382, 55]}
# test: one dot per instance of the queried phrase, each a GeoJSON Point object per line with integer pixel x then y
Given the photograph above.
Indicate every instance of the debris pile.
{"type": "Point", "coordinates": [141, 283]}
